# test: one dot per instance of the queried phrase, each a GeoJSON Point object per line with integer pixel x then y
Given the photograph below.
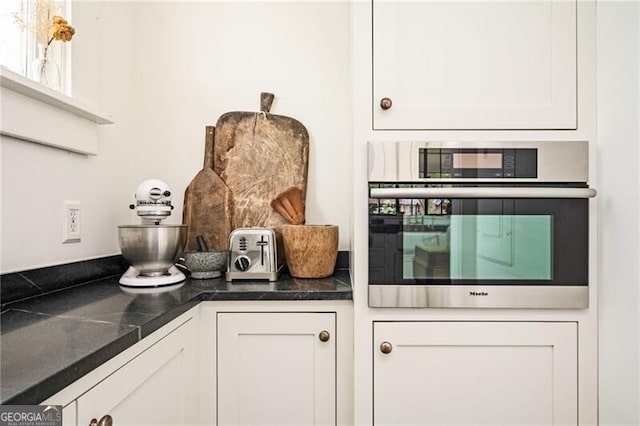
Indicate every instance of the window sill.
{"type": "Point", "coordinates": [35, 113]}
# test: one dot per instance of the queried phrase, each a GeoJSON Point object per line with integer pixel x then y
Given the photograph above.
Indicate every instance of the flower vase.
{"type": "Point", "coordinates": [45, 70]}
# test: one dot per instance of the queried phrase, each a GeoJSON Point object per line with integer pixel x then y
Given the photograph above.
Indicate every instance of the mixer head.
{"type": "Point", "coordinates": [153, 201]}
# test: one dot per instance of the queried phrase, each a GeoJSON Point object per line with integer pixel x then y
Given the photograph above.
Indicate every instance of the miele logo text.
{"type": "Point", "coordinates": [478, 293]}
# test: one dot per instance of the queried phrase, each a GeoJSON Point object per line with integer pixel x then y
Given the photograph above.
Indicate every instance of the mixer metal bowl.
{"type": "Point", "coordinates": [152, 249]}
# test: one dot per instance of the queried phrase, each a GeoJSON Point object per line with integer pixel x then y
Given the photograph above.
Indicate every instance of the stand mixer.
{"type": "Point", "coordinates": [151, 248]}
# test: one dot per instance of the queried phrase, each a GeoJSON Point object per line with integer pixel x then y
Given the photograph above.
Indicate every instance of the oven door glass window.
{"type": "Point", "coordinates": [484, 247]}
{"type": "Point", "coordinates": [479, 241]}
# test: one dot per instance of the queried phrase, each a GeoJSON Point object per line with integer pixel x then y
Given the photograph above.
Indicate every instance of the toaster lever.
{"type": "Point", "coordinates": [262, 243]}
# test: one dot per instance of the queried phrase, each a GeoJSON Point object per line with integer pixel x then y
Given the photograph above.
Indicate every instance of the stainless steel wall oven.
{"type": "Point", "coordinates": [487, 225]}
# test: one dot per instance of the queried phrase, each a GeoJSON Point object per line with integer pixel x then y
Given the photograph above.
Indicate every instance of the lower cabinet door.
{"type": "Point", "coordinates": [276, 368]}
{"type": "Point", "coordinates": [472, 373]}
{"type": "Point", "coordinates": [69, 415]}
{"type": "Point", "coordinates": [151, 389]}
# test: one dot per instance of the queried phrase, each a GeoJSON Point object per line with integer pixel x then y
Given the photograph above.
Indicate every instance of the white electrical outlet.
{"type": "Point", "coordinates": [71, 228]}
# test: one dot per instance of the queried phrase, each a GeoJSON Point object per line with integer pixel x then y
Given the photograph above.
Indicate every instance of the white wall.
{"type": "Point", "coordinates": [36, 179]}
{"type": "Point", "coordinates": [198, 60]}
{"type": "Point", "coordinates": [619, 211]}
{"type": "Point", "coordinates": [165, 70]}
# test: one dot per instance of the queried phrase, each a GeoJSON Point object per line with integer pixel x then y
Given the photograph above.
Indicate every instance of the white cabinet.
{"type": "Point", "coordinates": [225, 363]}
{"type": "Point", "coordinates": [152, 389]}
{"type": "Point", "coordinates": [69, 415]}
{"type": "Point", "coordinates": [482, 65]}
{"type": "Point", "coordinates": [150, 383]}
{"type": "Point", "coordinates": [276, 368]}
{"type": "Point", "coordinates": [454, 373]}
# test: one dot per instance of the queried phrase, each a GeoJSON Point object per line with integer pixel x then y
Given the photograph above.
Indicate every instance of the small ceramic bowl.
{"type": "Point", "coordinates": [206, 264]}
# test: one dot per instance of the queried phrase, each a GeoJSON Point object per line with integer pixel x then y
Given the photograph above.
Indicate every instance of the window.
{"type": "Point", "coordinates": [62, 121]}
{"type": "Point", "coordinates": [24, 33]}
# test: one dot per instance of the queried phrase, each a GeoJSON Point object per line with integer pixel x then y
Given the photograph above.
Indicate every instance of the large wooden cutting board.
{"type": "Point", "coordinates": [208, 204]}
{"type": "Point", "coordinates": [259, 155]}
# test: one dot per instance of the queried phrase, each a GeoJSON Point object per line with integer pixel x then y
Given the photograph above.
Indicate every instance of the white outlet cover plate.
{"type": "Point", "coordinates": [71, 223]}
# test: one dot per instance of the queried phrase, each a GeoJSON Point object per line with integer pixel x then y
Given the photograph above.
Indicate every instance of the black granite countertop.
{"type": "Point", "coordinates": [50, 341]}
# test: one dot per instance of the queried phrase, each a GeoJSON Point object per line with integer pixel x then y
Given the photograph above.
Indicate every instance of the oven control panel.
{"type": "Point", "coordinates": [477, 163]}
{"type": "Point", "coordinates": [470, 161]}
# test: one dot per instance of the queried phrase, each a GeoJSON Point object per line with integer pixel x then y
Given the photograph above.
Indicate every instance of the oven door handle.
{"type": "Point", "coordinates": [483, 192]}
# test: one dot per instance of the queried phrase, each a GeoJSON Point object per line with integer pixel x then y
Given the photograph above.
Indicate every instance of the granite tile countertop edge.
{"type": "Point", "coordinates": [48, 342]}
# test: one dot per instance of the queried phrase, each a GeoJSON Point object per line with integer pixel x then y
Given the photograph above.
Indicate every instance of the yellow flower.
{"type": "Point", "coordinates": [61, 30]}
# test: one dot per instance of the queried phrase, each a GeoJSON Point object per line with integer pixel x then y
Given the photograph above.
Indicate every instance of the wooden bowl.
{"type": "Point", "coordinates": [310, 250]}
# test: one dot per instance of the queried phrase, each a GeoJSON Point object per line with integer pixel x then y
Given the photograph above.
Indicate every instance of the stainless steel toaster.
{"type": "Point", "coordinates": [253, 255]}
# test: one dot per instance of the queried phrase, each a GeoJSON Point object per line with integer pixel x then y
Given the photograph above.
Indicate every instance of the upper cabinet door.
{"type": "Point", "coordinates": [474, 65]}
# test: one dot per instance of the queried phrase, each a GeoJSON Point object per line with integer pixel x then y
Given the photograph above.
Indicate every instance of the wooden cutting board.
{"type": "Point", "coordinates": [208, 204]}
{"type": "Point", "coordinates": [259, 155]}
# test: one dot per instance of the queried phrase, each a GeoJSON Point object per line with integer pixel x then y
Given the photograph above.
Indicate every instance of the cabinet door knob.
{"type": "Point", "coordinates": [386, 347]}
{"type": "Point", "coordinates": [324, 336]}
{"type": "Point", "coordinates": [385, 103]}
{"type": "Point", "coordinates": [106, 420]}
